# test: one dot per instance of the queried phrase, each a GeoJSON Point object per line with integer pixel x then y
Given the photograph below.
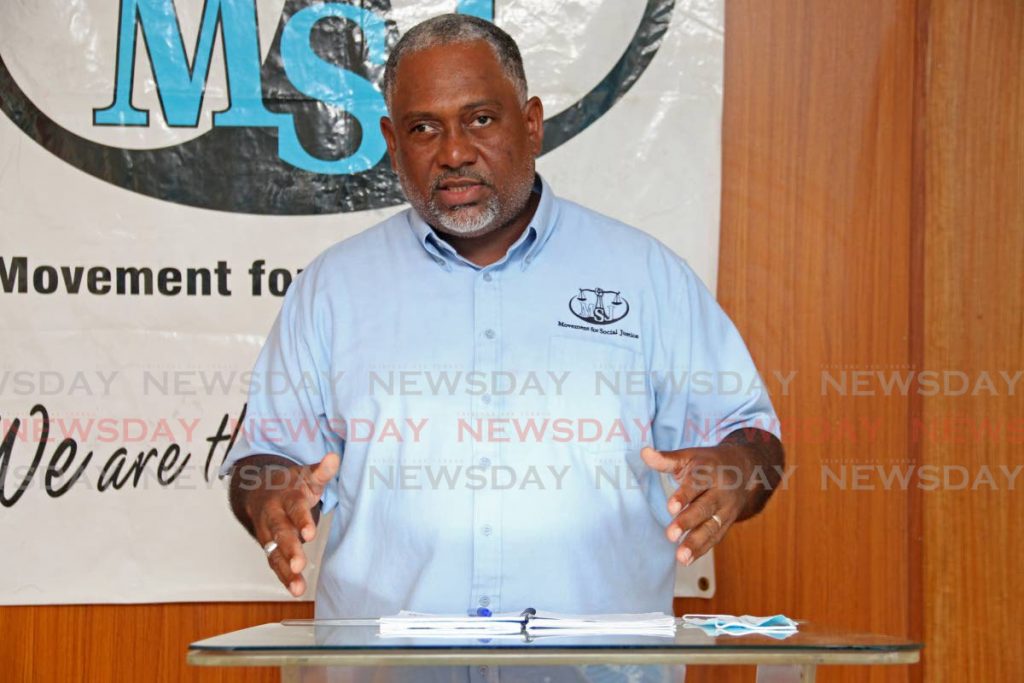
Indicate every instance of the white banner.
{"type": "Point", "coordinates": [167, 167]}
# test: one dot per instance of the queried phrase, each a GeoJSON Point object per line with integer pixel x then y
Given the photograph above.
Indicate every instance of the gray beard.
{"type": "Point", "coordinates": [465, 222]}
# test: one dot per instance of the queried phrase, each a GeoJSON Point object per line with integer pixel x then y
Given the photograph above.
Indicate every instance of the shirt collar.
{"type": "Point", "coordinates": [525, 249]}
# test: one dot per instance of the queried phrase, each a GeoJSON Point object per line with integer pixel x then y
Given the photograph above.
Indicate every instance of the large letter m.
{"type": "Point", "coordinates": [180, 82]}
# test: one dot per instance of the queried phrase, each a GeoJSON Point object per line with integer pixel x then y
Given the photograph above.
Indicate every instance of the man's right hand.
{"type": "Point", "coordinates": [274, 499]}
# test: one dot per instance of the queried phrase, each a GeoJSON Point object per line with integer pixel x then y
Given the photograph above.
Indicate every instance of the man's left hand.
{"type": "Point", "coordinates": [713, 493]}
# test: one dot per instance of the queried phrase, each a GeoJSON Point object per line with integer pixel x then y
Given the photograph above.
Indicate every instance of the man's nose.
{"type": "Point", "coordinates": [457, 149]}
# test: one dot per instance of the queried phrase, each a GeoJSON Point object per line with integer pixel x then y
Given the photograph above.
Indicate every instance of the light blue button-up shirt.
{"type": "Point", "coordinates": [490, 419]}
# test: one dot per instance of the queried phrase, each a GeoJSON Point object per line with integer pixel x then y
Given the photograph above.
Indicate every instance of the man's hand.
{"type": "Point", "coordinates": [276, 500]}
{"type": "Point", "coordinates": [717, 487]}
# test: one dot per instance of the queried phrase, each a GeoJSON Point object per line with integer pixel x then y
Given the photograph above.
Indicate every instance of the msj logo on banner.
{"type": "Point", "coordinates": [297, 130]}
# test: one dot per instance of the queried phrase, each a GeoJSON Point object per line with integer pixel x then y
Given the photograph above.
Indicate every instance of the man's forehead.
{"type": "Point", "coordinates": [451, 74]}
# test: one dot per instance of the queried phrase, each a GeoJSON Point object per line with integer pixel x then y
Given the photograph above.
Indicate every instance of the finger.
{"type": "Point", "coordinates": [272, 524]}
{"type": "Point", "coordinates": [664, 461]}
{"type": "Point", "coordinates": [261, 527]}
{"type": "Point", "coordinates": [293, 581]}
{"type": "Point", "coordinates": [285, 534]}
{"type": "Point", "coordinates": [695, 514]}
{"type": "Point", "coordinates": [321, 474]}
{"type": "Point", "coordinates": [701, 539]}
{"type": "Point", "coordinates": [693, 482]}
{"type": "Point", "coordinates": [301, 516]}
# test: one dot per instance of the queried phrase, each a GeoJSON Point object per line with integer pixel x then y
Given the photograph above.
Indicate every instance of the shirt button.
{"type": "Point", "coordinates": [485, 462]}
{"type": "Point", "coordinates": [486, 529]}
{"type": "Point", "coordinates": [486, 398]}
{"type": "Point", "coordinates": [487, 277]}
{"type": "Point", "coordinates": [484, 601]}
{"type": "Point", "coordinates": [490, 334]}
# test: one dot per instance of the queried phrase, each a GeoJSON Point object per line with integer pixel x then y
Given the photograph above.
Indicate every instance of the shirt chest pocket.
{"type": "Point", "coordinates": [602, 394]}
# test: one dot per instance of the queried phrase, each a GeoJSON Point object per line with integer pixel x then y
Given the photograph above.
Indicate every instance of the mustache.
{"type": "Point", "coordinates": [459, 174]}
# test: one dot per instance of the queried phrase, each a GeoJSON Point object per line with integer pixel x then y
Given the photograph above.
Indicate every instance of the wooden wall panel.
{"type": "Point", "coordinates": [814, 269]}
{"type": "Point", "coordinates": [974, 323]}
{"type": "Point", "coordinates": [127, 642]}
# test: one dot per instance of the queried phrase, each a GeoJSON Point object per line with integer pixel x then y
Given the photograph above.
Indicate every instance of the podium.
{"type": "Point", "coordinates": [353, 650]}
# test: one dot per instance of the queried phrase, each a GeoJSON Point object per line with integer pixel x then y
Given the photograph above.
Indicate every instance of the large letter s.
{"type": "Point", "coordinates": [328, 83]}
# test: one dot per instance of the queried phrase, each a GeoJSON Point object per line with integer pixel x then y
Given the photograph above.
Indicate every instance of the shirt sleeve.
{"type": "Point", "coordinates": [708, 386]}
{"type": "Point", "coordinates": [287, 413]}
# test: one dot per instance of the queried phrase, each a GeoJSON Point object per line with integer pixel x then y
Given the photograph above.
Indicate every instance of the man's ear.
{"type": "Point", "coordinates": [387, 129]}
{"type": "Point", "coordinates": [534, 113]}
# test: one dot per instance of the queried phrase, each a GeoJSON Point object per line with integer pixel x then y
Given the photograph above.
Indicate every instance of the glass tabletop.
{"type": "Point", "coordinates": [363, 635]}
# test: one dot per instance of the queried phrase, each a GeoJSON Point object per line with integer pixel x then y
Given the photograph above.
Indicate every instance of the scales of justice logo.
{"type": "Point", "coordinates": [599, 306]}
{"type": "Point", "coordinates": [300, 135]}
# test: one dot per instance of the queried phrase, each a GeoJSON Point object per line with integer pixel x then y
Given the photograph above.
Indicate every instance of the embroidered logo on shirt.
{"type": "Point", "coordinates": [599, 306]}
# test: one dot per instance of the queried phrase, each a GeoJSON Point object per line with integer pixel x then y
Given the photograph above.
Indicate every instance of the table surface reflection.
{"type": "Point", "coordinates": [357, 642]}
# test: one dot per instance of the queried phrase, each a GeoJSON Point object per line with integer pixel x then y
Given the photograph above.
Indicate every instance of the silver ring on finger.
{"type": "Point", "coordinates": [269, 547]}
{"type": "Point", "coordinates": [718, 519]}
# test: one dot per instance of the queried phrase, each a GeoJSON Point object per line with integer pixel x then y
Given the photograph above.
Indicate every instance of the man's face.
{"type": "Point", "coordinates": [460, 142]}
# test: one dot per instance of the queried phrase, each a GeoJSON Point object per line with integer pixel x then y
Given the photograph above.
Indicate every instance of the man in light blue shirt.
{"type": "Point", "coordinates": [487, 388]}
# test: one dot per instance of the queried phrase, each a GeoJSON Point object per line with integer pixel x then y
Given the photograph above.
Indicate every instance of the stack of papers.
{"type": "Point", "coordinates": [423, 624]}
{"type": "Point", "coordinates": [529, 623]}
{"type": "Point", "coordinates": [777, 626]}
{"type": "Point", "coordinates": [646, 624]}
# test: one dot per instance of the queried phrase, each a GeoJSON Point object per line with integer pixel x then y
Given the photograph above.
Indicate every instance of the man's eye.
{"type": "Point", "coordinates": [482, 120]}
{"type": "Point", "coordinates": [421, 128]}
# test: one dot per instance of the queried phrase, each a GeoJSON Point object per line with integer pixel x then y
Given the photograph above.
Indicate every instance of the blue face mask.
{"type": "Point", "coordinates": [777, 626]}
